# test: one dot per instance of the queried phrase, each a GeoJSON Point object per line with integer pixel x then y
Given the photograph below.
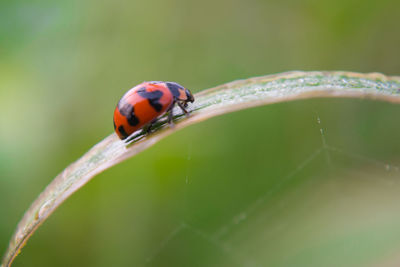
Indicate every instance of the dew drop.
{"type": "Point", "coordinates": [44, 208]}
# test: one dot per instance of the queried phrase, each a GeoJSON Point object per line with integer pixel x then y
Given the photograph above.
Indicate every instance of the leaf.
{"type": "Point", "coordinates": [216, 101]}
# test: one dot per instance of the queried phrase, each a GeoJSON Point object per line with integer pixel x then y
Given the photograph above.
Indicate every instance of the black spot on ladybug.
{"type": "Point", "coordinates": [121, 130]}
{"type": "Point", "coordinates": [174, 88]}
{"type": "Point", "coordinates": [127, 110]}
{"type": "Point", "coordinates": [153, 97]}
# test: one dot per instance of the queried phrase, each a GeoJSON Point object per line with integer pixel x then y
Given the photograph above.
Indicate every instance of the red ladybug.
{"type": "Point", "coordinates": [145, 103]}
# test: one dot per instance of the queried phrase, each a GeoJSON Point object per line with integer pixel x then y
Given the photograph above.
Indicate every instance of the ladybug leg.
{"type": "Point", "coordinates": [148, 127]}
{"type": "Point", "coordinates": [171, 116]}
{"type": "Point", "coordinates": [183, 106]}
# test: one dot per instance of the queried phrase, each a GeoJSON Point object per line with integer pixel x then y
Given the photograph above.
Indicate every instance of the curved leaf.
{"type": "Point", "coordinates": [226, 98]}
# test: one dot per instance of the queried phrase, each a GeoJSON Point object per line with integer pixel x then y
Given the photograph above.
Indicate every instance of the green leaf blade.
{"type": "Point", "coordinates": [226, 98]}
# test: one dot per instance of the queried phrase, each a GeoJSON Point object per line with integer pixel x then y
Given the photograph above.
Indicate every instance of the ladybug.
{"type": "Point", "coordinates": [145, 103]}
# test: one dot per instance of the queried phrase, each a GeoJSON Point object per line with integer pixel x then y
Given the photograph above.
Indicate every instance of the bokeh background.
{"type": "Point", "coordinates": [243, 189]}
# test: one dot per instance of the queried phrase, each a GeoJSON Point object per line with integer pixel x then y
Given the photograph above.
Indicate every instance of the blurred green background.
{"type": "Point", "coordinates": [252, 188]}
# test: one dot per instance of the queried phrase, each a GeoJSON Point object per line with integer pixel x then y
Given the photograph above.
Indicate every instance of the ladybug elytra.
{"type": "Point", "coordinates": [145, 103]}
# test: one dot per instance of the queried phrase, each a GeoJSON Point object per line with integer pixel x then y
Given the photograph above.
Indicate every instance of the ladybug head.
{"type": "Point", "coordinates": [179, 92]}
{"type": "Point", "coordinates": [189, 96]}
